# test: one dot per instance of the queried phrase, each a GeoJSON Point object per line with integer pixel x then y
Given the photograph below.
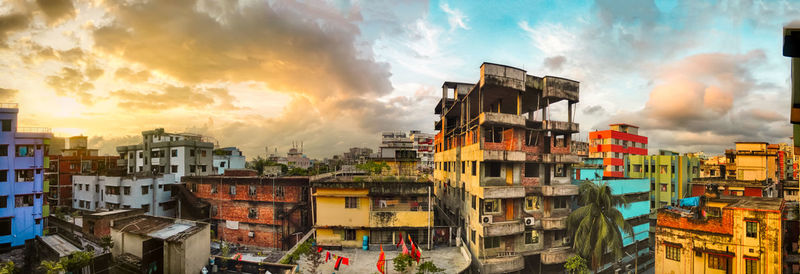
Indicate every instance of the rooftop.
{"type": "Point", "coordinates": [159, 227]}
{"type": "Point", "coordinates": [622, 124]}
{"type": "Point", "coordinates": [60, 245]}
{"type": "Point", "coordinates": [749, 203]}
{"type": "Point", "coordinates": [364, 261]}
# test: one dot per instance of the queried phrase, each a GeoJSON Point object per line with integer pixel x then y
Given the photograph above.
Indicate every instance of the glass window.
{"type": "Point", "coordinates": [491, 206]}
{"type": "Point", "coordinates": [474, 167]}
{"type": "Point", "coordinates": [752, 229]}
{"type": "Point", "coordinates": [145, 190]}
{"type": "Point", "coordinates": [717, 262]}
{"type": "Point", "coordinates": [750, 266]}
{"type": "Point", "coordinates": [6, 125]}
{"type": "Point", "coordinates": [174, 153]}
{"type": "Point", "coordinates": [532, 203]}
{"type": "Point", "coordinates": [126, 190]}
{"type": "Point", "coordinates": [350, 235]}
{"type": "Point", "coordinates": [491, 242]}
{"type": "Point", "coordinates": [351, 202]}
{"type": "Point", "coordinates": [3, 150]}
{"type": "Point", "coordinates": [232, 190]}
{"type": "Point", "coordinates": [532, 237]}
{"type": "Point", "coordinates": [673, 253]}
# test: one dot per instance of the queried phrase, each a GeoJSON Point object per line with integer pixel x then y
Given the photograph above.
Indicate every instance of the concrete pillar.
{"type": "Point", "coordinates": [569, 111]}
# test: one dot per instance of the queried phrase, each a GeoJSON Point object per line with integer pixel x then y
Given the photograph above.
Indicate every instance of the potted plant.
{"type": "Point", "coordinates": [238, 259]}
{"type": "Point", "coordinates": [224, 258]}
{"type": "Point", "coordinates": [262, 268]}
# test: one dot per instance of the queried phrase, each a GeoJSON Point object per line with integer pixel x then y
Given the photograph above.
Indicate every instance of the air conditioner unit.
{"type": "Point", "coordinates": [529, 221]}
{"type": "Point", "coordinates": [486, 219]}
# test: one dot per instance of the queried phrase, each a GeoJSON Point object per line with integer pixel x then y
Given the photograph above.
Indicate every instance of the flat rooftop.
{"type": "Point", "coordinates": [748, 202]}
{"type": "Point", "coordinates": [364, 261]}
{"type": "Point", "coordinates": [60, 245]}
{"type": "Point", "coordinates": [159, 227]}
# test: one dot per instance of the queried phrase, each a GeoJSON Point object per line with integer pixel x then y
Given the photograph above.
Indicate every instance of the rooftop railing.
{"type": "Point", "coordinates": [34, 129]}
{"type": "Point", "coordinates": [9, 105]}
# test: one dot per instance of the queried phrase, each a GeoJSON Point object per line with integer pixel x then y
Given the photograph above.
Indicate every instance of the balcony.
{"type": "Point", "coordinates": [122, 162]}
{"type": "Point", "coordinates": [503, 155]}
{"type": "Point", "coordinates": [503, 192]}
{"type": "Point", "coordinates": [155, 161]}
{"type": "Point", "coordinates": [503, 228]}
{"type": "Point", "coordinates": [560, 126]}
{"type": "Point", "coordinates": [504, 119]}
{"type": "Point", "coordinates": [554, 223]}
{"type": "Point", "coordinates": [556, 255]}
{"type": "Point", "coordinates": [561, 158]}
{"type": "Point", "coordinates": [505, 264]}
{"type": "Point", "coordinates": [560, 89]}
{"type": "Point", "coordinates": [557, 190]}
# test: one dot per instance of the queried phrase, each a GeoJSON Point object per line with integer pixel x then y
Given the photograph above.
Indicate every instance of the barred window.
{"type": "Point", "coordinates": [351, 202]}
{"type": "Point", "coordinates": [750, 266]}
{"type": "Point", "coordinates": [717, 262]}
{"type": "Point", "coordinates": [531, 237]}
{"type": "Point", "coordinates": [752, 229]}
{"type": "Point", "coordinates": [673, 253]}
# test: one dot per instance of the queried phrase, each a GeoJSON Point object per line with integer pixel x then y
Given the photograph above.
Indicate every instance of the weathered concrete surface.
{"type": "Point", "coordinates": [449, 258]}
{"type": "Point", "coordinates": [559, 190]}
{"type": "Point", "coordinates": [502, 192]}
{"type": "Point", "coordinates": [501, 155]}
{"type": "Point", "coordinates": [554, 223]}
{"type": "Point", "coordinates": [503, 264]}
{"type": "Point", "coordinates": [560, 126]}
{"type": "Point", "coordinates": [495, 118]}
{"type": "Point", "coordinates": [556, 255]}
{"type": "Point", "coordinates": [502, 76]}
{"type": "Point", "coordinates": [561, 158]}
{"type": "Point", "coordinates": [503, 228]}
{"type": "Point", "coordinates": [560, 88]}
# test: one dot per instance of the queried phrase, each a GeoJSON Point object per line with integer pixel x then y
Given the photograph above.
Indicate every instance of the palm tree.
{"type": "Point", "coordinates": [51, 267]}
{"type": "Point", "coordinates": [596, 225]}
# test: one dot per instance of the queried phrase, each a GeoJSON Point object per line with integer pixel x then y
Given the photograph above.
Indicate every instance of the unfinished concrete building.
{"type": "Point", "coordinates": [503, 168]}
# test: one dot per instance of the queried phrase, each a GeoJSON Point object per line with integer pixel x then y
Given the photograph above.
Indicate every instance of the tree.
{"type": "Point", "coordinates": [76, 260]}
{"type": "Point", "coordinates": [51, 267]}
{"type": "Point", "coordinates": [106, 243]}
{"type": "Point", "coordinates": [576, 265]}
{"type": "Point", "coordinates": [258, 164]}
{"type": "Point", "coordinates": [596, 225]}
{"type": "Point", "coordinates": [372, 167]}
{"type": "Point", "coordinates": [8, 268]}
{"type": "Point", "coordinates": [402, 263]}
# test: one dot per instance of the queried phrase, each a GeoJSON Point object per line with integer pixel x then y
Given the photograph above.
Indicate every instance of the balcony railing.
{"type": "Point", "coordinates": [9, 105]}
{"type": "Point", "coordinates": [34, 129]}
{"type": "Point", "coordinates": [504, 228]}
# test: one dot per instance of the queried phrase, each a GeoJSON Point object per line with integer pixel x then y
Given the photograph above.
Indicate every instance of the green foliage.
{"type": "Point", "coordinates": [576, 265]}
{"type": "Point", "coordinates": [303, 249]}
{"type": "Point", "coordinates": [402, 262]}
{"type": "Point", "coordinates": [372, 167]}
{"type": "Point", "coordinates": [298, 172]}
{"type": "Point", "coordinates": [8, 268]}
{"type": "Point", "coordinates": [225, 249]}
{"type": "Point", "coordinates": [428, 267]}
{"type": "Point", "coordinates": [596, 225]}
{"type": "Point", "coordinates": [259, 163]}
{"type": "Point", "coordinates": [76, 260]}
{"type": "Point", "coordinates": [51, 267]}
{"type": "Point", "coordinates": [59, 213]}
{"type": "Point", "coordinates": [106, 243]}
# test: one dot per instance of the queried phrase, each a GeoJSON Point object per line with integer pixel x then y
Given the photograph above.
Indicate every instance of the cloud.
{"type": "Point", "coordinates": [555, 63]}
{"type": "Point", "coordinates": [10, 23]}
{"type": "Point", "coordinates": [72, 82]}
{"type": "Point", "coordinates": [172, 97]}
{"type": "Point", "coordinates": [594, 110]}
{"type": "Point", "coordinates": [57, 10]}
{"type": "Point", "coordinates": [8, 94]}
{"type": "Point", "coordinates": [293, 47]}
{"type": "Point", "coordinates": [455, 17]}
{"type": "Point", "coordinates": [134, 77]}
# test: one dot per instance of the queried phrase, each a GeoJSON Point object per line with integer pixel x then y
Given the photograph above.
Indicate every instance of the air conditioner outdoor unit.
{"type": "Point", "coordinates": [486, 219]}
{"type": "Point", "coordinates": [529, 221]}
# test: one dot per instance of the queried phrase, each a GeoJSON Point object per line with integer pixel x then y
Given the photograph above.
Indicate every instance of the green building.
{"type": "Point", "coordinates": [669, 173]}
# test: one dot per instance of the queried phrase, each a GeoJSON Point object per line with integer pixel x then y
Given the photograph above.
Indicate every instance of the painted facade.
{"type": "Point", "coordinates": [228, 157]}
{"type": "Point", "coordinates": [160, 152]}
{"type": "Point", "coordinates": [614, 144]}
{"type": "Point", "coordinates": [151, 193]}
{"type": "Point", "coordinates": [23, 159]}
{"type": "Point", "coordinates": [669, 173]}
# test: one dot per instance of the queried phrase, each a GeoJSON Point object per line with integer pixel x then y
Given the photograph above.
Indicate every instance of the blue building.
{"type": "Point", "coordinates": [23, 158]}
{"type": "Point", "coordinates": [637, 193]}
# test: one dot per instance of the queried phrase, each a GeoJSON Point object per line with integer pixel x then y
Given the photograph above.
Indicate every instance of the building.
{"type": "Point", "coordinates": [356, 155]}
{"type": "Point", "coordinates": [503, 166]}
{"type": "Point", "coordinates": [151, 193]}
{"type": "Point", "coordinates": [228, 157]}
{"type": "Point", "coordinates": [637, 193]}
{"type": "Point", "coordinates": [398, 153]}
{"type": "Point", "coordinates": [791, 48]}
{"type": "Point", "coordinates": [253, 210]}
{"type": "Point", "coordinates": [380, 209]}
{"type": "Point", "coordinates": [160, 152]}
{"type": "Point", "coordinates": [23, 159]}
{"type": "Point", "coordinates": [698, 186]}
{"type": "Point", "coordinates": [669, 173]}
{"type": "Point", "coordinates": [713, 167]}
{"type": "Point", "coordinates": [755, 161]}
{"type": "Point", "coordinates": [98, 225]}
{"type": "Point", "coordinates": [723, 234]}
{"type": "Point", "coordinates": [423, 144]}
{"type": "Point", "coordinates": [580, 148]}
{"type": "Point", "coordinates": [614, 144]}
{"type": "Point", "coordinates": [169, 245]}
{"type": "Point", "coordinates": [76, 159]}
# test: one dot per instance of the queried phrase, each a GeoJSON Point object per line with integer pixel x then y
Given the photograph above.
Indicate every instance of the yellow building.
{"type": "Point", "coordinates": [755, 161]}
{"type": "Point", "coordinates": [737, 235]}
{"type": "Point", "coordinates": [347, 209]}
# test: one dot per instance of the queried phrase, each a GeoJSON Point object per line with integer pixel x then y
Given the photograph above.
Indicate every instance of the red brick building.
{"type": "Point", "coordinates": [254, 210]}
{"type": "Point", "coordinates": [80, 161]}
{"type": "Point", "coordinates": [614, 144]}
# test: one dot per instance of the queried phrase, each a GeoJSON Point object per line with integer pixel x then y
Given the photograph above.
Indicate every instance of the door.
{"type": "Point", "coordinates": [153, 256]}
{"type": "Point", "coordinates": [509, 209]}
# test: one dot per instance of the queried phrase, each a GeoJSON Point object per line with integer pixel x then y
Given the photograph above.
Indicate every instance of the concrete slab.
{"type": "Point", "coordinates": [448, 258]}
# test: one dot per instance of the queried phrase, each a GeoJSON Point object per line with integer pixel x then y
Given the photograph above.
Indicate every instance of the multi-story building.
{"type": "Point", "coordinates": [76, 159]}
{"type": "Point", "coordinates": [160, 152]}
{"type": "Point", "coordinates": [294, 159]}
{"type": "Point", "coordinates": [637, 193]}
{"type": "Point", "coordinates": [349, 208]}
{"type": "Point", "coordinates": [723, 234]}
{"type": "Point", "coordinates": [356, 155]}
{"type": "Point", "coordinates": [228, 157]}
{"type": "Point", "coordinates": [248, 209]}
{"type": "Point", "coordinates": [791, 48]}
{"type": "Point", "coordinates": [698, 186]}
{"type": "Point", "coordinates": [423, 144]}
{"type": "Point", "coordinates": [580, 148]}
{"type": "Point", "coordinates": [755, 161]}
{"type": "Point", "coordinates": [503, 168]}
{"type": "Point", "coordinates": [23, 159]}
{"type": "Point", "coordinates": [669, 173]}
{"type": "Point", "coordinates": [614, 144]}
{"type": "Point", "coordinates": [398, 153]}
{"type": "Point", "coordinates": [151, 193]}
{"type": "Point", "coordinates": [713, 167]}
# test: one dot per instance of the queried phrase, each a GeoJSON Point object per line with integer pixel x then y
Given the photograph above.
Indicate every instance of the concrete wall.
{"type": "Point", "coordinates": [156, 194]}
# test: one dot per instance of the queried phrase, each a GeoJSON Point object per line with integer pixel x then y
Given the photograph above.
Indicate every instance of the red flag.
{"type": "Point", "coordinates": [401, 240]}
{"type": "Point", "coordinates": [327, 256]}
{"type": "Point", "coordinates": [405, 249]}
{"type": "Point", "coordinates": [319, 250]}
{"type": "Point", "coordinates": [415, 252]}
{"type": "Point", "coordinates": [345, 261]}
{"type": "Point", "coordinates": [338, 261]}
{"type": "Point", "coordinates": [381, 261]}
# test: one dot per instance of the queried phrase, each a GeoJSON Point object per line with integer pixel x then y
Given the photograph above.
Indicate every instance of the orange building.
{"type": "Point", "coordinates": [614, 144]}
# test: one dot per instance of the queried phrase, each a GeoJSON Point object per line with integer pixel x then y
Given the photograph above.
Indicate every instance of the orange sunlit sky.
{"type": "Point", "coordinates": [333, 74]}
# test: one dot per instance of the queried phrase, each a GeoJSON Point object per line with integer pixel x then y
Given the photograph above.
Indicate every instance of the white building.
{"type": "Point", "coordinates": [229, 157]}
{"type": "Point", "coordinates": [423, 144]}
{"type": "Point", "coordinates": [107, 192]}
{"type": "Point", "coordinates": [168, 153]}
{"type": "Point", "coordinates": [395, 144]}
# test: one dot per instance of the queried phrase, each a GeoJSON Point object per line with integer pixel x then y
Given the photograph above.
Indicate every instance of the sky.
{"type": "Point", "coordinates": [260, 75]}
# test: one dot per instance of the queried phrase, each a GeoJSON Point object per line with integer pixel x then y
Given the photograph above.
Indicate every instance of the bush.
{"type": "Point", "coordinates": [428, 267]}
{"type": "Point", "coordinates": [303, 249]}
{"type": "Point", "coordinates": [402, 262]}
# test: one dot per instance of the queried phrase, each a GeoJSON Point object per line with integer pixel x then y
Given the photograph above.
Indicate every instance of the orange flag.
{"type": "Point", "coordinates": [381, 261]}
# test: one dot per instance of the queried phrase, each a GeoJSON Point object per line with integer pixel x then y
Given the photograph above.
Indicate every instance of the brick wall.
{"type": "Point", "coordinates": [722, 225]}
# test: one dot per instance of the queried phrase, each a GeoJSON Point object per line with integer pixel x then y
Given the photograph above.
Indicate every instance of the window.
{"type": "Point", "coordinates": [637, 168]}
{"type": "Point", "coordinates": [232, 190]}
{"type": "Point", "coordinates": [560, 202]}
{"type": "Point", "coordinates": [202, 168]}
{"type": "Point", "coordinates": [474, 201]}
{"type": "Point", "coordinates": [126, 190]}
{"type": "Point", "coordinates": [717, 262]}
{"type": "Point", "coordinates": [663, 169]}
{"type": "Point", "coordinates": [23, 200]}
{"type": "Point", "coordinates": [3, 175]}
{"type": "Point", "coordinates": [350, 235]}
{"type": "Point", "coordinates": [174, 153]}
{"type": "Point", "coordinates": [560, 171]}
{"type": "Point", "coordinates": [96, 189]}
{"type": "Point", "coordinates": [474, 165]}
{"type": "Point", "coordinates": [752, 229]}
{"type": "Point", "coordinates": [491, 206]}
{"type": "Point", "coordinates": [194, 187]}
{"type": "Point", "coordinates": [531, 170]}
{"type": "Point", "coordinates": [191, 153]}
{"type": "Point", "coordinates": [531, 237]}
{"type": "Point", "coordinates": [252, 213]}
{"type": "Point", "coordinates": [663, 187]}
{"type": "Point", "coordinates": [491, 242]}
{"type": "Point", "coordinates": [141, 154]}
{"type": "Point", "coordinates": [146, 207]}
{"type": "Point", "coordinates": [532, 203]}
{"type": "Point", "coordinates": [3, 150]}
{"type": "Point", "coordinates": [145, 190]}
{"type": "Point", "coordinates": [221, 164]}
{"type": "Point", "coordinates": [252, 191]}
{"type": "Point", "coordinates": [213, 188]}
{"type": "Point", "coordinates": [472, 235]}
{"type": "Point", "coordinates": [351, 202]}
{"type": "Point", "coordinates": [492, 169]}
{"type": "Point", "coordinates": [174, 169]}
{"type": "Point", "coordinates": [3, 201]}
{"type": "Point", "coordinates": [279, 192]}
{"type": "Point", "coordinates": [673, 252]}
{"type": "Point", "coordinates": [750, 265]}
{"type": "Point", "coordinates": [24, 175]}
{"type": "Point", "coordinates": [203, 153]}
{"type": "Point", "coordinates": [5, 226]}
{"type": "Point", "coordinates": [6, 125]}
